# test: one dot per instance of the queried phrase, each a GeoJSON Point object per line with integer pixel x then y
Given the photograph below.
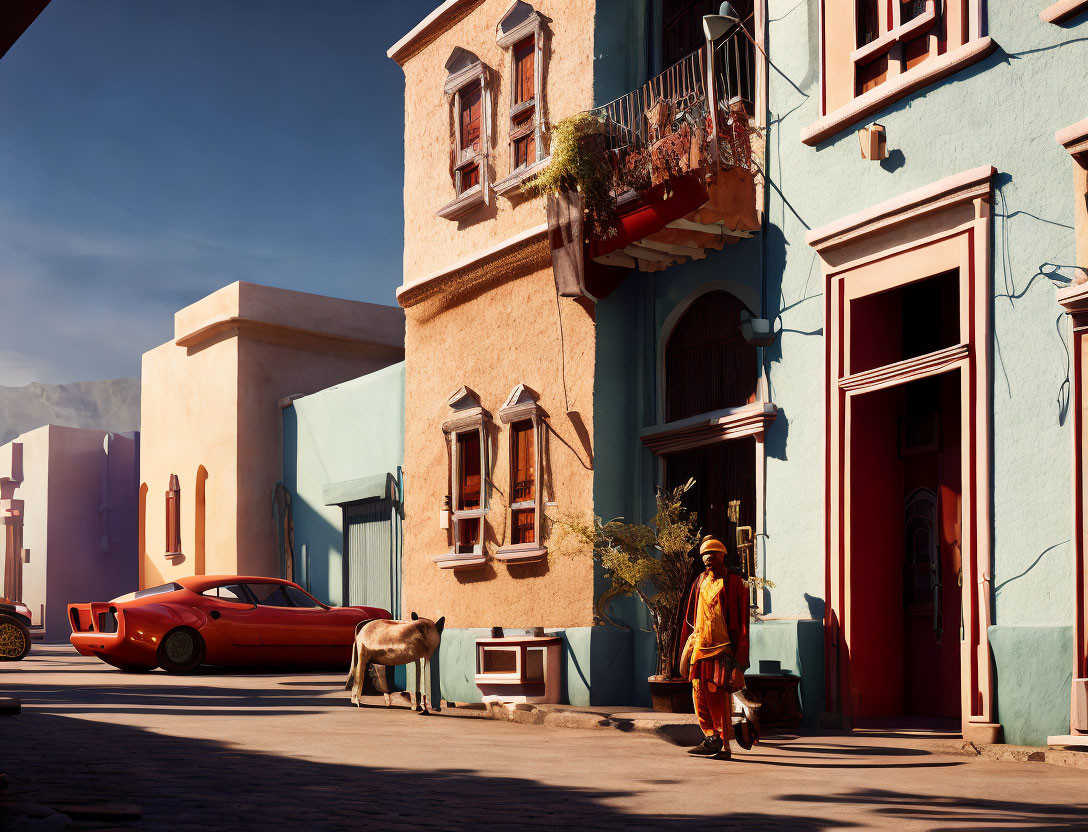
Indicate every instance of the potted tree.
{"type": "Point", "coordinates": [652, 562]}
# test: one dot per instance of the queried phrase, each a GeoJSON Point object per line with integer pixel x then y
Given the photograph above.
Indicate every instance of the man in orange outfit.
{"type": "Point", "coordinates": [719, 648]}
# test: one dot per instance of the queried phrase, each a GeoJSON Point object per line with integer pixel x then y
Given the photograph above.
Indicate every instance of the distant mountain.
{"type": "Point", "coordinates": [112, 404]}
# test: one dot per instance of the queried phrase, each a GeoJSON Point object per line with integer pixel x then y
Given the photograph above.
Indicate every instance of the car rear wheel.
{"type": "Point", "coordinates": [14, 639]}
{"type": "Point", "coordinates": [181, 651]}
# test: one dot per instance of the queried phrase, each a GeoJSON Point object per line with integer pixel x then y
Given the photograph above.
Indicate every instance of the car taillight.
{"type": "Point", "coordinates": [107, 621]}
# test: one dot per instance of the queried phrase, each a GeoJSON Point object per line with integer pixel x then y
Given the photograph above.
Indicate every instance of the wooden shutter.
{"type": "Point", "coordinates": [468, 471]}
{"type": "Point", "coordinates": [524, 69]}
{"type": "Point", "coordinates": [173, 516]}
{"type": "Point", "coordinates": [708, 364]}
{"type": "Point", "coordinates": [524, 462]}
{"type": "Point", "coordinates": [470, 99]}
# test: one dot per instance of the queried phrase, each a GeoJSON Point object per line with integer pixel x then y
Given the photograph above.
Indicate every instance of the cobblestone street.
{"type": "Point", "coordinates": [226, 750]}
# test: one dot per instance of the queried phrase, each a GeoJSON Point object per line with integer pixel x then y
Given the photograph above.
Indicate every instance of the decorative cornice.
{"type": "Point", "coordinates": [1074, 138]}
{"type": "Point", "coordinates": [520, 404]}
{"type": "Point", "coordinates": [962, 187]}
{"type": "Point", "coordinates": [926, 73]}
{"type": "Point", "coordinates": [468, 420]}
{"type": "Point", "coordinates": [533, 22]}
{"type": "Point", "coordinates": [428, 29]}
{"type": "Point", "coordinates": [913, 368]}
{"type": "Point", "coordinates": [233, 325]}
{"type": "Point", "coordinates": [1063, 10]}
{"type": "Point", "coordinates": [430, 284]}
{"type": "Point", "coordinates": [1074, 298]}
{"type": "Point", "coordinates": [729, 423]}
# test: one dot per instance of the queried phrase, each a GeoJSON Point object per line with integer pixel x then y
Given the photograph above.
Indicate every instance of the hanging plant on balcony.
{"type": "Point", "coordinates": [580, 162]}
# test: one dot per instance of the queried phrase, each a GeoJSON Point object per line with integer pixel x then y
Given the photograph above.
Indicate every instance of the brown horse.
{"type": "Point", "coordinates": [392, 643]}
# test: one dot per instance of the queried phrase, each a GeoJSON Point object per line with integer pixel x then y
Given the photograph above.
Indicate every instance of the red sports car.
{"type": "Point", "coordinates": [227, 620]}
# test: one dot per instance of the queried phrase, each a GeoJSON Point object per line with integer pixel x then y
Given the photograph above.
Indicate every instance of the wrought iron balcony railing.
{"type": "Point", "coordinates": [661, 130]}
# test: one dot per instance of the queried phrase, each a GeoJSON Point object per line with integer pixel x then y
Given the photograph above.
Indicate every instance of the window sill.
{"type": "Point", "coordinates": [514, 181]}
{"type": "Point", "coordinates": [526, 553]}
{"type": "Point", "coordinates": [471, 199]}
{"type": "Point", "coordinates": [926, 73]}
{"type": "Point", "coordinates": [1063, 10]}
{"type": "Point", "coordinates": [467, 560]}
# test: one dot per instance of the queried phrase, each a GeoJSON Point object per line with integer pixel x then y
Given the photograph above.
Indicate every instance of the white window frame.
{"type": "Point", "coordinates": [524, 22]}
{"type": "Point", "coordinates": [458, 81]}
{"type": "Point", "coordinates": [469, 418]}
{"type": "Point", "coordinates": [521, 406]}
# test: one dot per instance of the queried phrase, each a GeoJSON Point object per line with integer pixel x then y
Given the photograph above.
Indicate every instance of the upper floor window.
{"type": "Point", "coordinates": [876, 51]}
{"type": "Point", "coordinates": [467, 93]}
{"type": "Point", "coordinates": [708, 364]}
{"type": "Point", "coordinates": [521, 32]}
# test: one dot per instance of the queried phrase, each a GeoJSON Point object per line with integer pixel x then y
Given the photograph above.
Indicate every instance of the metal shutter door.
{"type": "Point", "coordinates": [368, 530]}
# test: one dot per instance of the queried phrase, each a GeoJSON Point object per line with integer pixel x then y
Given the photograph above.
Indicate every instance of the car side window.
{"type": "Point", "coordinates": [269, 595]}
{"type": "Point", "coordinates": [230, 592]}
{"type": "Point", "coordinates": [301, 599]}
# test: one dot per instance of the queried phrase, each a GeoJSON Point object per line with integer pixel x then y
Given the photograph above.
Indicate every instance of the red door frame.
{"type": "Point", "coordinates": [944, 226]}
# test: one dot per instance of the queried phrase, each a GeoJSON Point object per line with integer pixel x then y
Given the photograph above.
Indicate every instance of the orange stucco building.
{"type": "Point", "coordinates": [210, 402]}
{"type": "Point", "coordinates": [499, 379]}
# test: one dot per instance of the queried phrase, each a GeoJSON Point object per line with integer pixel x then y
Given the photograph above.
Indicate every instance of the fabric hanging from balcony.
{"type": "Point", "coordinates": [565, 218]}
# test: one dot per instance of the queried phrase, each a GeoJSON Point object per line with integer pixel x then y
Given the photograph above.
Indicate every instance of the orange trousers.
{"type": "Point", "coordinates": [714, 707]}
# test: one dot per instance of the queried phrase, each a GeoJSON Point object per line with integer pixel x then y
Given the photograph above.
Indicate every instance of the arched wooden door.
{"type": "Point", "coordinates": [709, 367]}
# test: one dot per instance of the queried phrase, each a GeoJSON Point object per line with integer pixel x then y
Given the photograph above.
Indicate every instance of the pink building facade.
{"type": "Point", "coordinates": [68, 508]}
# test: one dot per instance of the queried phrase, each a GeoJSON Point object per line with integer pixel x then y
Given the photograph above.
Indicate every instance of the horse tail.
{"type": "Point", "coordinates": [354, 661]}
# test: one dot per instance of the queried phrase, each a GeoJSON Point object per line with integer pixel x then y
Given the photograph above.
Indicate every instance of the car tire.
{"type": "Point", "coordinates": [14, 639]}
{"type": "Point", "coordinates": [181, 650]}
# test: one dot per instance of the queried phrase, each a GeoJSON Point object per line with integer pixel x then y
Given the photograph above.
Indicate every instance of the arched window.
{"type": "Point", "coordinates": [199, 521]}
{"type": "Point", "coordinates": [708, 364]}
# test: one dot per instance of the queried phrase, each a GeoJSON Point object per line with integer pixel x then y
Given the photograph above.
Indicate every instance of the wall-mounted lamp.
{"type": "Point", "coordinates": [719, 25]}
{"type": "Point", "coordinates": [874, 143]}
{"type": "Point", "coordinates": [759, 332]}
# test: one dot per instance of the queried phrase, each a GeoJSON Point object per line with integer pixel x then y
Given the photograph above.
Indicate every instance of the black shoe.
{"type": "Point", "coordinates": [708, 748]}
{"type": "Point", "coordinates": [725, 754]}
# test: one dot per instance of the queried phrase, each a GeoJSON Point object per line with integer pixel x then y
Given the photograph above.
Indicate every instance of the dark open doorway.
{"type": "Point", "coordinates": [905, 571]}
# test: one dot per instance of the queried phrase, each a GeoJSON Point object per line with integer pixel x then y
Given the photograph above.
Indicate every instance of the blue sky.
{"type": "Point", "coordinates": [152, 151]}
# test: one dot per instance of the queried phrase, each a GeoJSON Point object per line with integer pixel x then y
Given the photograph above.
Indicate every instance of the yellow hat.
{"type": "Point", "coordinates": [711, 544]}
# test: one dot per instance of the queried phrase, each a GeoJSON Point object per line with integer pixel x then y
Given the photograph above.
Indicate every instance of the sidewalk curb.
{"type": "Point", "coordinates": [675, 733]}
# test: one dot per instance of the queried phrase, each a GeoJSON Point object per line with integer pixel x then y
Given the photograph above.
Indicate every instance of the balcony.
{"type": "Point", "coordinates": [679, 189]}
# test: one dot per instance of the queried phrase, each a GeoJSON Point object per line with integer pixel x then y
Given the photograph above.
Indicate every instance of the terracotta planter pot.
{"type": "Point", "coordinates": [671, 696]}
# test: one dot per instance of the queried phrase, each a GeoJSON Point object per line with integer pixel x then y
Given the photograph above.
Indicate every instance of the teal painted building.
{"type": "Point", "coordinates": [994, 100]}
{"type": "Point", "coordinates": [343, 449]}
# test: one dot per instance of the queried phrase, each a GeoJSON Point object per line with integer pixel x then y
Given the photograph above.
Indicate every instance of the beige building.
{"type": "Point", "coordinates": [211, 445]}
{"type": "Point", "coordinates": [499, 381]}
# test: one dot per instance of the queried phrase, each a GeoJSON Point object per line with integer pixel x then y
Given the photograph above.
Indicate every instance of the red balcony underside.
{"type": "Point", "coordinates": [676, 221]}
